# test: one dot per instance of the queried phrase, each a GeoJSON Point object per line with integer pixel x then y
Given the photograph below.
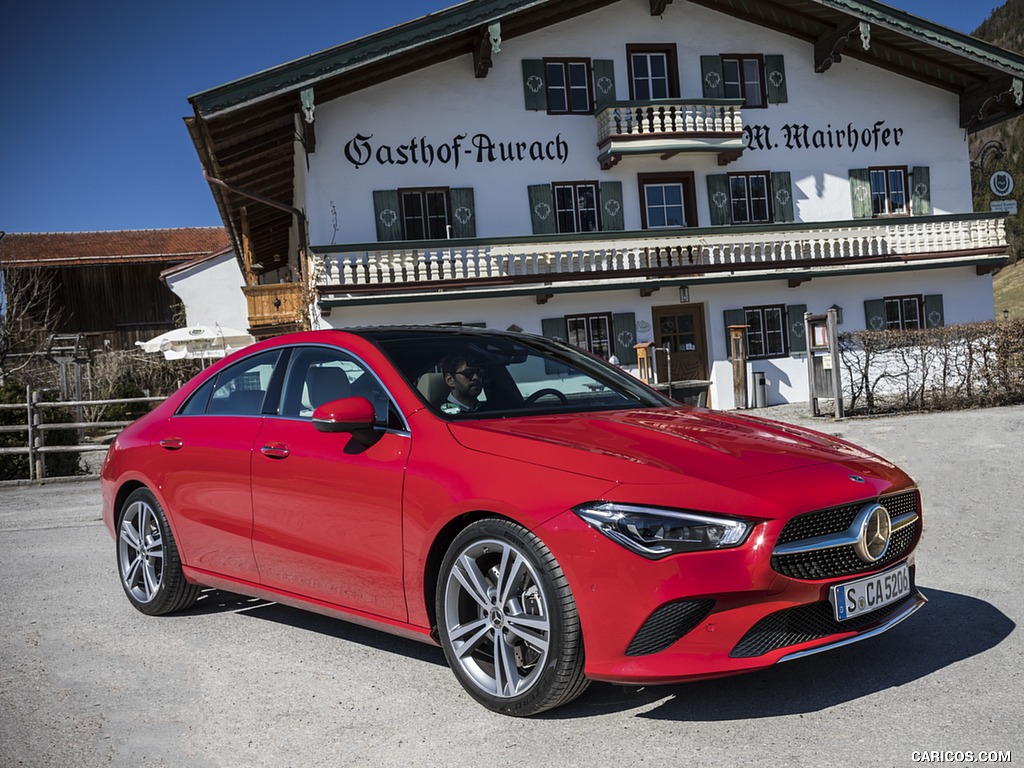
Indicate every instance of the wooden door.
{"type": "Point", "coordinates": [680, 329]}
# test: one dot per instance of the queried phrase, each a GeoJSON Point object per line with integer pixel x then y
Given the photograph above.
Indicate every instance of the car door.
{"type": "Point", "coordinates": [327, 508]}
{"type": "Point", "coordinates": [203, 471]}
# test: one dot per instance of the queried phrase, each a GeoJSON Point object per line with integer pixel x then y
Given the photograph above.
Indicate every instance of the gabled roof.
{"type": "Point", "coordinates": [75, 249]}
{"type": "Point", "coordinates": [244, 130]}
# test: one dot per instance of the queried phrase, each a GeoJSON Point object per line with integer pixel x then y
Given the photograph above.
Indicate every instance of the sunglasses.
{"type": "Point", "coordinates": [472, 373]}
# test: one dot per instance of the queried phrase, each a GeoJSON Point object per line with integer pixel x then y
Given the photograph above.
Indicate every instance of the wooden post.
{"type": "Point", "coordinates": [36, 420]}
{"type": "Point", "coordinates": [31, 432]}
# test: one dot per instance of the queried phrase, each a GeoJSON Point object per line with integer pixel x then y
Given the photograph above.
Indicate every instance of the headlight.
{"type": "Point", "coordinates": [656, 533]}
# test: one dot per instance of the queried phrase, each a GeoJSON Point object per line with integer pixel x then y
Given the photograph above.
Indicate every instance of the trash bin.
{"type": "Point", "coordinates": [760, 390]}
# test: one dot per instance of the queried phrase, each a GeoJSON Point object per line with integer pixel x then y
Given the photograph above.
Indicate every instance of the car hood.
{"type": "Point", "coordinates": [659, 445]}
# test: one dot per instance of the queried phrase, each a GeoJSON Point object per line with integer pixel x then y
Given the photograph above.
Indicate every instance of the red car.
{"type": "Point", "coordinates": [542, 515]}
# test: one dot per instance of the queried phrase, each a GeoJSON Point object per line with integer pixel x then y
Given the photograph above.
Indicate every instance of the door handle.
{"type": "Point", "coordinates": [275, 451]}
{"type": "Point", "coordinates": [172, 443]}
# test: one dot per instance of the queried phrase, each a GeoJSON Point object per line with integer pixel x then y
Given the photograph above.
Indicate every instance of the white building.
{"type": "Point", "coordinates": [617, 172]}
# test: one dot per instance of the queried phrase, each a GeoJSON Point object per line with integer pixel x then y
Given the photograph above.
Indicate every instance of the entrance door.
{"type": "Point", "coordinates": [680, 328]}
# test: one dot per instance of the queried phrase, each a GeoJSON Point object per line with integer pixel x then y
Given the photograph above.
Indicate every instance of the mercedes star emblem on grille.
{"type": "Point", "coordinates": [875, 525]}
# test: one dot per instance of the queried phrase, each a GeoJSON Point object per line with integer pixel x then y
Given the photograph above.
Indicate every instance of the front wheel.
{"type": "Point", "coordinates": [147, 558]}
{"type": "Point", "coordinates": [507, 620]}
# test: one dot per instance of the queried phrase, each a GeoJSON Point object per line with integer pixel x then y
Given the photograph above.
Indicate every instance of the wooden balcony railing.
{"type": "Point", "coordinates": [666, 127]}
{"type": "Point", "coordinates": [428, 265]}
{"type": "Point", "coordinates": [276, 304]}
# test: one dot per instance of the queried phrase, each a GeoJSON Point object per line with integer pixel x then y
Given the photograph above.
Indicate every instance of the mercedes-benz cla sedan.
{"type": "Point", "coordinates": [543, 516]}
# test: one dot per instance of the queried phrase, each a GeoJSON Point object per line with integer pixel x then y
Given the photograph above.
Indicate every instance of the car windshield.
{"type": "Point", "coordinates": [517, 374]}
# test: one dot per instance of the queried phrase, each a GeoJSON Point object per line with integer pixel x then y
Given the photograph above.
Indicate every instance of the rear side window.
{"type": "Point", "coordinates": [236, 391]}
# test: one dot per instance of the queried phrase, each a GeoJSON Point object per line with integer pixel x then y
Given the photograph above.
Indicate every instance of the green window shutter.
{"type": "Point", "coordinates": [534, 87]}
{"type": "Point", "coordinates": [920, 191]}
{"type": "Point", "coordinates": [624, 324]}
{"type": "Point", "coordinates": [387, 213]}
{"type": "Point", "coordinates": [711, 79]}
{"type": "Point", "coordinates": [542, 209]}
{"type": "Point", "coordinates": [604, 82]}
{"type": "Point", "coordinates": [795, 321]}
{"type": "Point", "coordinates": [612, 218]}
{"type": "Point", "coordinates": [860, 193]}
{"type": "Point", "coordinates": [782, 197]}
{"type": "Point", "coordinates": [718, 199]}
{"type": "Point", "coordinates": [554, 328]}
{"type": "Point", "coordinates": [775, 79]}
{"type": "Point", "coordinates": [732, 317]}
{"type": "Point", "coordinates": [933, 315]}
{"type": "Point", "coordinates": [874, 314]}
{"type": "Point", "coordinates": [463, 212]}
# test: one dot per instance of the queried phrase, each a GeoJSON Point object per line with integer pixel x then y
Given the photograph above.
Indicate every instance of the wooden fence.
{"type": "Point", "coordinates": [36, 427]}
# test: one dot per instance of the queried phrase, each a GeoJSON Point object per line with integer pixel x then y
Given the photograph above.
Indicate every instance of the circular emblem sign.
{"type": "Point", "coordinates": [1001, 183]}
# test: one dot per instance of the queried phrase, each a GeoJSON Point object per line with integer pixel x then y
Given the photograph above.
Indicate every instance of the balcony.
{"type": "Point", "coordinates": [369, 273]}
{"type": "Point", "coordinates": [276, 308]}
{"type": "Point", "coordinates": [669, 127]}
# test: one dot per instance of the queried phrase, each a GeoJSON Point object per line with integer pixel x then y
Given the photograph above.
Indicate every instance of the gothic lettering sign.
{"type": "Point", "coordinates": [479, 148]}
{"type": "Point", "coordinates": [799, 136]}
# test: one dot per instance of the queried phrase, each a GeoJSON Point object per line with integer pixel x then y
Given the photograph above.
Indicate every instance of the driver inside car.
{"type": "Point", "coordinates": [465, 382]}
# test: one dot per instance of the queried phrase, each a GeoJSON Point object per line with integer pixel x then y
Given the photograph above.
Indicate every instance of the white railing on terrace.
{"type": "Point", "coordinates": [646, 119]}
{"type": "Point", "coordinates": [602, 255]}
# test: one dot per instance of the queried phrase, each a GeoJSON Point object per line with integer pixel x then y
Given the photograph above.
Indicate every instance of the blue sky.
{"type": "Point", "coordinates": [93, 95]}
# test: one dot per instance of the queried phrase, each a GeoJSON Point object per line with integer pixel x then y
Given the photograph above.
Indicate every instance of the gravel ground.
{"type": "Point", "coordinates": [87, 681]}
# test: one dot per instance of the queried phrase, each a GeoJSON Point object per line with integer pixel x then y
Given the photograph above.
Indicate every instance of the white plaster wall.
{"type": "Point", "coordinates": [212, 293]}
{"type": "Point", "coordinates": [445, 101]}
{"type": "Point", "coordinates": [967, 297]}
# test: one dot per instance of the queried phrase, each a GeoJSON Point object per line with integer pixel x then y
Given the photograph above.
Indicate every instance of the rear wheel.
{"type": "Point", "coordinates": [507, 620]}
{"type": "Point", "coordinates": [147, 558]}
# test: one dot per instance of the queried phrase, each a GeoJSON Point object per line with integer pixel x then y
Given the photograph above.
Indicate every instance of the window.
{"type": "Point", "coordinates": [888, 191]}
{"type": "Point", "coordinates": [667, 200]}
{"type": "Point", "coordinates": [653, 72]}
{"type": "Point", "coordinates": [568, 86]}
{"type": "Point", "coordinates": [576, 206]}
{"type": "Point", "coordinates": [239, 390]}
{"type": "Point", "coordinates": [903, 313]}
{"type": "Point", "coordinates": [425, 213]}
{"type": "Point", "coordinates": [592, 333]}
{"type": "Point", "coordinates": [750, 195]}
{"type": "Point", "coordinates": [766, 331]}
{"type": "Point", "coordinates": [743, 78]}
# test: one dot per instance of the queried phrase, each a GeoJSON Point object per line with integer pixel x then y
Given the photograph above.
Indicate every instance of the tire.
{"type": "Point", "coordinates": [148, 563]}
{"type": "Point", "coordinates": [507, 620]}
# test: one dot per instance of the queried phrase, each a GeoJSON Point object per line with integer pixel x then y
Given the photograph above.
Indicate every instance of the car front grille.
{"type": "Point", "coordinates": [668, 624]}
{"type": "Point", "coordinates": [835, 562]}
{"type": "Point", "coordinates": [805, 623]}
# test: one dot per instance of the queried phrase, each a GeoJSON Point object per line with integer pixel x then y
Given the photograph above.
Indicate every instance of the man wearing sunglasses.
{"type": "Point", "coordinates": [465, 381]}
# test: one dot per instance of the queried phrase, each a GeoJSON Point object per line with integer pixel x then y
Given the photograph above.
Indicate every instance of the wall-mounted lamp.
{"type": "Point", "coordinates": [277, 302]}
{"type": "Point", "coordinates": [1006, 314]}
{"type": "Point", "coordinates": [684, 294]}
{"type": "Point", "coordinates": [839, 313]}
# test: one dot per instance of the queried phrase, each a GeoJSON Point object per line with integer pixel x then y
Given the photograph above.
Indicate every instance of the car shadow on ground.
{"type": "Point", "coordinates": [218, 601]}
{"type": "Point", "coordinates": [949, 629]}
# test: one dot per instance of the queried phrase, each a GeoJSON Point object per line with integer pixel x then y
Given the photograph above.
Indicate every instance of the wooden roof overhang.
{"type": "Point", "coordinates": [245, 132]}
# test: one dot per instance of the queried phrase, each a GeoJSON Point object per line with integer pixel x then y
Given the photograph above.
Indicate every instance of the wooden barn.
{"type": "Point", "coordinates": [106, 285]}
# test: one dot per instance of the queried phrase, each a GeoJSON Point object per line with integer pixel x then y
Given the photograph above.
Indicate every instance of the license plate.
{"type": "Point", "coordinates": [855, 598]}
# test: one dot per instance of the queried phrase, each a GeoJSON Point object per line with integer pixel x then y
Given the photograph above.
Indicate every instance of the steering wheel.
{"type": "Point", "coordinates": [544, 393]}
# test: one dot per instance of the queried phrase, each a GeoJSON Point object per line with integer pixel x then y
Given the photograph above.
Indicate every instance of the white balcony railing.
{"type": "Point", "coordinates": [604, 256]}
{"type": "Point", "coordinates": [672, 118]}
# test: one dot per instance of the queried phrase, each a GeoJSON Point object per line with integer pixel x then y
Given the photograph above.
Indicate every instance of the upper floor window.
{"type": "Point", "coordinates": [568, 86]}
{"type": "Point", "coordinates": [425, 213]}
{"type": "Point", "coordinates": [667, 200]}
{"type": "Point", "coordinates": [653, 72]}
{"type": "Point", "coordinates": [750, 196]}
{"type": "Point", "coordinates": [889, 191]}
{"type": "Point", "coordinates": [758, 79]}
{"type": "Point", "coordinates": [576, 206]}
{"type": "Point", "coordinates": [743, 78]}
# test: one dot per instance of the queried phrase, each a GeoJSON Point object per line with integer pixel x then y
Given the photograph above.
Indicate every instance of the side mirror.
{"type": "Point", "coordinates": [350, 414]}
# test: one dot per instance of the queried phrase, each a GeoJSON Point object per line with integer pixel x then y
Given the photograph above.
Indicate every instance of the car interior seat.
{"type": "Point", "coordinates": [433, 387]}
{"type": "Point", "coordinates": [326, 383]}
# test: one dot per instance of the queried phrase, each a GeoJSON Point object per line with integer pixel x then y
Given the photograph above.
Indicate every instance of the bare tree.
{"type": "Point", "coordinates": [29, 312]}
